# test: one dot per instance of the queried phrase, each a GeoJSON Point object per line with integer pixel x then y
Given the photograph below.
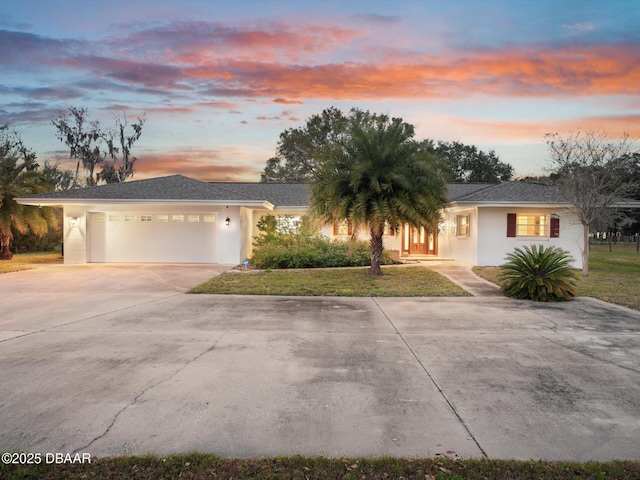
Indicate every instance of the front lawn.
{"type": "Point", "coordinates": [613, 276]}
{"type": "Point", "coordinates": [25, 261]}
{"type": "Point", "coordinates": [397, 281]}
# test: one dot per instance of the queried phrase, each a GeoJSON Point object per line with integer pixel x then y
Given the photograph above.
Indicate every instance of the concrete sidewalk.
{"type": "Point", "coordinates": [463, 276]}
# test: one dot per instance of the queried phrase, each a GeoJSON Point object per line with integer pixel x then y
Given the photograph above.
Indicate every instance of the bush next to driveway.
{"type": "Point", "coordinates": [538, 273]}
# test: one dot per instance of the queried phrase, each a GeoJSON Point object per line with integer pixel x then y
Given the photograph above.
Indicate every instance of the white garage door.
{"type": "Point", "coordinates": [151, 237]}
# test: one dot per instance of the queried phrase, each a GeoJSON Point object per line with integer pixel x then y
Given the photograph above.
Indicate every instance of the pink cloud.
{"type": "Point", "coordinates": [204, 164]}
{"type": "Point", "coordinates": [289, 62]}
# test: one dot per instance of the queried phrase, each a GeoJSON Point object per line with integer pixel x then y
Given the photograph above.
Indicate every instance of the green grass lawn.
{"type": "Point", "coordinates": [25, 261]}
{"type": "Point", "coordinates": [613, 276]}
{"type": "Point", "coordinates": [199, 466]}
{"type": "Point", "coordinates": [397, 281]}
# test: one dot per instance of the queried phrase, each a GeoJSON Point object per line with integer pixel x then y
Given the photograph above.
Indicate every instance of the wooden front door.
{"type": "Point", "coordinates": [419, 241]}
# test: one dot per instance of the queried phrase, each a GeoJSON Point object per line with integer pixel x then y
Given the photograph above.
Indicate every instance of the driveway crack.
{"type": "Point", "coordinates": [151, 387]}
{"type": "Point", "coordinates": [433, 380]}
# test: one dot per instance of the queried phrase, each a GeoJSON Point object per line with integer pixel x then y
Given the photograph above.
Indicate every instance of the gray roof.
{"type": "Point", "coordinates": [508, 192]}
{"type": "Point", "coordinates": [179, 187]}
{"type": "Point", "coordinates": [278, 194]}
{"type": "Point", "coordinates": [283, 195]}
{"type": "Point", "coordinates": [174, 187]}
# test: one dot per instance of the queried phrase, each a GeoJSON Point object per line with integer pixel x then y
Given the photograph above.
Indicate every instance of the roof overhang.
{"type": "Point", "coordinates": [61, 202]}
{"type": "Point", "coordinates": [294, 207]}
{"type": "Point", "coordinates": [510, 204]}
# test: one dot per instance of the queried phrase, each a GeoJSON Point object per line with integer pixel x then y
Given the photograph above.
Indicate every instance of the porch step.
{"type": "Point", "coordinates": [425, 258]}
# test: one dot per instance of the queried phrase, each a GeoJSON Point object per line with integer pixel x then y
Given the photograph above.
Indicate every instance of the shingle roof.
{"type": "Point", "coordinates": [508, 192]}
{"type": "Point", "coordinates": [278, 194]}
{"type": "Point", "coordinates": [178, 187]}
{"type": "Point", "coordinates": [174, 187]}
{"type": "Point", "coordinates": [459, 190]}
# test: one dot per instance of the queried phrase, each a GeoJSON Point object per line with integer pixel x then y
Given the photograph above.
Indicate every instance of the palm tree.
{"type": "Point", "coordinates": [379, 177]}
{"type": "Point", "coordinates": [21, 178]}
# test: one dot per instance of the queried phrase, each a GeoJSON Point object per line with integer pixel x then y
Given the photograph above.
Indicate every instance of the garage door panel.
{"type": "Point", "coordinates": [129, 239]}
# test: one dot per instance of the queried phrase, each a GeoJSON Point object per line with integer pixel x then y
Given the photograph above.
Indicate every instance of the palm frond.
{"type": "Point", "coordinates": [538, 273]}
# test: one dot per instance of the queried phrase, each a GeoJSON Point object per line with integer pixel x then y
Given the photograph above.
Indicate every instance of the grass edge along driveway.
{"type": "Point", "coordinates": [201, 466]}
{"type": "Point", "coordinates": [397, 281]}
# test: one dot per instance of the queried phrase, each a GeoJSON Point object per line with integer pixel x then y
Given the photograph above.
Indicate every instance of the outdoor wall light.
{"type": "Point", "coordinates": [73, 222]}
{"type": "Point", "coordinates": [227, 222]}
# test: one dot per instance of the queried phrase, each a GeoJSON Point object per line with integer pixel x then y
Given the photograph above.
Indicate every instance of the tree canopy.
{"type": "Point", "coordinates": [301, 151]}
{"type": "Point", "coordinates": [94, 147]}
{"type": "Point", "coordinates": [20, 177]}
{"type": "Point", "coordinates": [593, 173]}
{"type": "Point", "coordinates": [378, 177]}
{"type": "Point", "coordinates": [467, 164]}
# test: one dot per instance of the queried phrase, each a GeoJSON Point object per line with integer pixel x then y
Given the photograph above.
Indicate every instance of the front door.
{"type": "Point", "coordinates": [419, 241]}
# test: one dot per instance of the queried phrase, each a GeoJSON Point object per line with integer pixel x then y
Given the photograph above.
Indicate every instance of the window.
{"type": "Point", "coordinates": [193, 218]}
{"type": "Point", "coordinates": [98, 217]}
{"type": "Point", "coordinates": [343, 228]}
{"type": "Point", "coordinates": [530, 225]}
{"type": "Point", "coordinates": [162, 218]}
{"type": "Point", "coordinates": [114, 217]}
{"type": "Point", "coordinates": [146, 218]}
{"type": "Point", "coordinates": [288, 224]}
{"type": "Point", "coordinates": [462, 225]}
{"type": "Point", "coordinates": [177, 218]}
{"type": "Point", "coordinates": [129, 218]}
{"type": "Point", "coordinates": [208, 218]}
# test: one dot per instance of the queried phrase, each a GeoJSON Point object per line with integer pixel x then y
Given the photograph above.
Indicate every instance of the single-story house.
{"type": "Point", "coordinates": [176, 219]}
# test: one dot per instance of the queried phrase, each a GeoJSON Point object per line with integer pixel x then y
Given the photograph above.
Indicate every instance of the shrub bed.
{"type": "Point", "coordinates": [288, 243]}
{"type": "Point", "coordinates": [312, 252]}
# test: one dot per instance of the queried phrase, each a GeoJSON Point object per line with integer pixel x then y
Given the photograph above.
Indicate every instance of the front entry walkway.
{"type": "Point", "coordinates": [463, 276]}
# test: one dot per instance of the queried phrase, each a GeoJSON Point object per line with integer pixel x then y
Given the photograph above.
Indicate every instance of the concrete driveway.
{"type": "Point", "coordinates": [117, 360]}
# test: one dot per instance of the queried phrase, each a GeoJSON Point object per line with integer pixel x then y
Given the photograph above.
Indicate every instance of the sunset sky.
{"type": "Point", "coordinates": [219, 80]}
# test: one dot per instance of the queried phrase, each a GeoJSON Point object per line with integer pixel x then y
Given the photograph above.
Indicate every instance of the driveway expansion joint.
{"type": "Point", "coordinates": [440, 390]}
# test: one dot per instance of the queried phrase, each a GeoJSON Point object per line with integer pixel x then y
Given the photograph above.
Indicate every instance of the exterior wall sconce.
{"type": "Point", "coordinates": [227, 222]}
{"type": "Point", "coordinates": [73, 222]}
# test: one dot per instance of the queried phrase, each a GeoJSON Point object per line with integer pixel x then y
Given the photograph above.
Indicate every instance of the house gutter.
{"type": "Point", "coordinates": [60, 202]}
{"type": "Point", "coordinates": [510, 204]}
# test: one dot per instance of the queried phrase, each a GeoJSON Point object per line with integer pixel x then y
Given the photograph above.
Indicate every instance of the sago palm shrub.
{"type": "Point", "coordinates": [539, 273]}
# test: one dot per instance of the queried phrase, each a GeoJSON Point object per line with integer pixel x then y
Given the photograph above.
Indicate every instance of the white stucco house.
{"type": "Point", "coordinates": [177, 219]}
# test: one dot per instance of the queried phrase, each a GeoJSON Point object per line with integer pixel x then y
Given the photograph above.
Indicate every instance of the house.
{"type": "Point", "coordinates": [177, 219]}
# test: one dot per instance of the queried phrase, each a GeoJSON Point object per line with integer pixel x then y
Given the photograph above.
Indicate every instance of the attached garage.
{"type": "Point", "coordinates": [171, 219]}
{"type": "Point", "coordinates": [167, 237]}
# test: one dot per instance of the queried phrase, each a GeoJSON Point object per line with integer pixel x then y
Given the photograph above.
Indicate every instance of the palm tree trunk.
{"type": "Point", "coordinates": [5, 243]}
{"type": "Point", "coordinates": [376, 246]}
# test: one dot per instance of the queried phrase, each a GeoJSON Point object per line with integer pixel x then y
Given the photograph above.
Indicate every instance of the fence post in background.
{"type": "Point", "coordinates": [609, 237]}
{"type": "Point", "coordinates": [637, 243]}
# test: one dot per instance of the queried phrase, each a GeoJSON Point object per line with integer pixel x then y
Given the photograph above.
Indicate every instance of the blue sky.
{"type": "Point", "coordinates": [219, 80]}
